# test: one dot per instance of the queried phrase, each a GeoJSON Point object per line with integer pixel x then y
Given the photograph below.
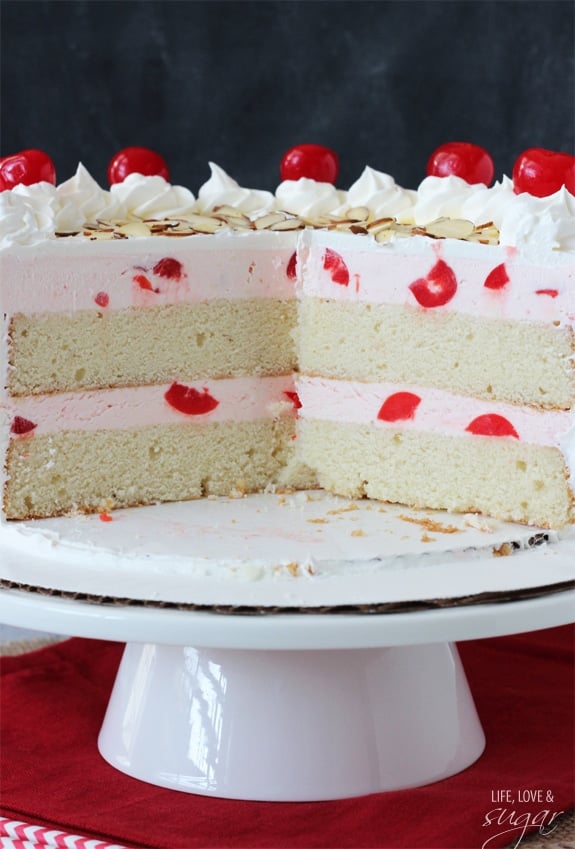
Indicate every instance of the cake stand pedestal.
{"type": "Point", "coordinates": [288, 707]}
{"type": "Point", "coordinates": [324, 690]}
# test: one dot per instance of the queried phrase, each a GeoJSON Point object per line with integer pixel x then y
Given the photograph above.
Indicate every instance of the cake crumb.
{"type": "Point", "coordinates": [427, 538]}
{"type": "Point", "coordinates": [503, 550]}
{"type": "Point", "coordinates": [358, 533]}
{"type": "Point", "coordinates": [237, 493]}
{"type": "Point", "coordinates": [479, 523]}
{"type": "Point", "coordinates": [318, 521]}
{"type": "Point", "coordinates": [349, 509]}
{"type": "Point", "coordinates": [431, 525]}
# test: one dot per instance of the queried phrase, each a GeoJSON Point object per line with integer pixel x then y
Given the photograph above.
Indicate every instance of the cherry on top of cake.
{"type": "Point", "coordinates": [306, 197]}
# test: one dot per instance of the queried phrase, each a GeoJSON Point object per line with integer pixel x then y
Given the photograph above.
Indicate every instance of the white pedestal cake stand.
{"type": "Point", "coordinates": [323, 689]}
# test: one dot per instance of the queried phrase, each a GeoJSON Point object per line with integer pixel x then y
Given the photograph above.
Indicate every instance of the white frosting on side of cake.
{"type": "Point", "coordinates": [237, 399]}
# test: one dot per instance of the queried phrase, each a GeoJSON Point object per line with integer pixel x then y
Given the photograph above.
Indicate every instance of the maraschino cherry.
{"type": "Point", "coordinates": [312, 161]}
{"type": "Point", "coordinates": [26, 168]}
{"type": "Point", "coordinates": [461, 159]}
{"type": "Point", "coordinates": [542, 172]}
{"type": "Point", "coordinates": [137, 160]}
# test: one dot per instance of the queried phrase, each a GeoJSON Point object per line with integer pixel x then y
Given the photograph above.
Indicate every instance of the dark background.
{"type": "Point", "coordinates": [381, 82]}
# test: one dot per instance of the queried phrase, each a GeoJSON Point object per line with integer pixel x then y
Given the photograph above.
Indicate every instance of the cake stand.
{"type": "Point", "coordinates": [295, 677]}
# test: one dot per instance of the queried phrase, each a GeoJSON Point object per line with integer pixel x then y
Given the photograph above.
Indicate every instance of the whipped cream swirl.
{"type": "Point", "coordinates": [81, 200]}
{"type": "Point", "coordinates": [542, 229]}
{"type": "Point", "coordinates": [381, 195]}
{"type": "Point", "coordinates": [223, 190]}
{"type": "Point", "coordinates": [151, 197]}
{"type": "Point", "coordinates": [309, 198]}
{"type": "Point", "coordinates": [28, 214]}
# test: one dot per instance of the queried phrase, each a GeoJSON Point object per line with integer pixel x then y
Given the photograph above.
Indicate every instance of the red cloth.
{"type": "Point", "coordinates": [52, 774]}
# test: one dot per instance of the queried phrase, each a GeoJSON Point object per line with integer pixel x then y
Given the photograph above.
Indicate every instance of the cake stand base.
{"type": "Point", "coordinates": [290, 725]}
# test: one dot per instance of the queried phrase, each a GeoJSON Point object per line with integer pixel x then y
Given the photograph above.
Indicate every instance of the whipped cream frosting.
{"type": "Point", "coordinates": [33, 214]}
{"type": "Point", "coordinates": [150, 197]}
{"type": "Point", "coordinates": [539, 228]}
{"type": "Point", "coordinates": [381, 195]}
{"type": "Point", "coordinates": [223, 190]}
{"type": "Point", "coordinates": [309, 198]}
{"type": "Point", "coordinates": [533, 225]}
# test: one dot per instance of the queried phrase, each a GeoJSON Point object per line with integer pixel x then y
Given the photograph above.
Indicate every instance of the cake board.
{"type": "Point", "coordinates": [342, 676]}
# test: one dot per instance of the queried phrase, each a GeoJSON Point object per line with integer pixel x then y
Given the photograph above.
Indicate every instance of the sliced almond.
{"type": "Point", "coordinates": [450, 228]}
{"type": "Point", "coordinates": [163, 228]}
{"type": "Point", "coordinates": [136, 229]}
{"type": "Point", "coordinates": [184, 231]}
{"type": "Point", "coordinates": [240, 223]}
{"type": "Point", "coordinates": [384, 235]}
{"type": "Point", "coordinates": [380, 224]}
{"type": "Point", "coordinates": [227, 211]}
{"type": "Point", "coordinates": [265, 222]}
{"type": "Point", "coordinates": [321, 223]}
{"type": "Point", "coordinates": [101, 235]}
{"type": "Point", "coordinates": [201, 223]}
{"type": "Point", "coordinates": [287, 224]}
{"type": "Point", "coordinates": [402, 229]}
{"type": "Point", "coordinates": [357, 213]}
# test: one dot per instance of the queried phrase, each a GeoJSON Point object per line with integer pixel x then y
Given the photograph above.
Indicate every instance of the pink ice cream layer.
{"type": "Point", "coordinates": [68, 275]}
{"type": "Point", "coordinates": [227, 400]}
{"type": "Point", "coordinates": [426, 409]}
{"type": "Point", "coordinates": [486, 280]}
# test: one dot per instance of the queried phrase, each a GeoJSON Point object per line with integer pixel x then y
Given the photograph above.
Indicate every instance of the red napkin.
{"type": "Point", "coordinates": [52, 774]}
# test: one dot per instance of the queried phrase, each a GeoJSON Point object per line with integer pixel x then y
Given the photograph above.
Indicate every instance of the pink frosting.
{"type": "Point", "coordinates": [237, 399]}
{"type": "Point", "coordinates": [68, 275]}
{"type": "Point", "coordinates": [436, 410]}
{"type": "Point", "coordinates": [385, 274]}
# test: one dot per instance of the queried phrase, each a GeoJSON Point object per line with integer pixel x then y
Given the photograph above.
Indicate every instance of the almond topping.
{"type": "Point", "coordinates": [135, 228]}
{"type": "Point", "coordinates": [271, 218]}
{"type": "Point", "coordinates": [450, 228]}
{"type": "Point", "coordinates": [357, 213]}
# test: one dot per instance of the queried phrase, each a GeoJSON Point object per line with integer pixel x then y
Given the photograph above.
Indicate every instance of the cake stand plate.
{"type": "Point", "coordinates": [316, 693]}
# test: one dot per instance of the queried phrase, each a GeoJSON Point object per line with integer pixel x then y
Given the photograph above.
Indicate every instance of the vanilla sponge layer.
{"type": "Point", "coordinates": [496, 476]}
{"type": "Point", "coordinates": [94, 349]}
{"type": "Point", "coordinates": [517, 362]}
{"type": "Point", "coordinates": [54, 474]}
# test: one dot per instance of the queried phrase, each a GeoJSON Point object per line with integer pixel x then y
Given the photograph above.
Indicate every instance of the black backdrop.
{"type": "Point", "coordinates": [382, 82]}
